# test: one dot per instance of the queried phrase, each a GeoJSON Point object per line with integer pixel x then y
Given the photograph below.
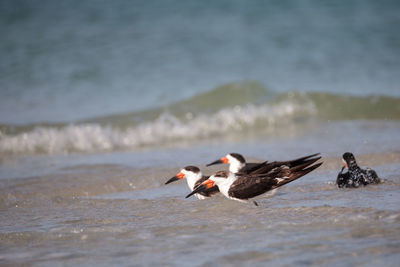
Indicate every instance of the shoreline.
{"type": "Point", "coordinates": [85, 180]}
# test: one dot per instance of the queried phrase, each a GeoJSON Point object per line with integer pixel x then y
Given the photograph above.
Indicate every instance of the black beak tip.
{"type": "Point", "coordinates": [173, 179]}
{"type": "Point", "coordinates": [198, 189]}
{"type": "Point", "coordinates": [214, 162]}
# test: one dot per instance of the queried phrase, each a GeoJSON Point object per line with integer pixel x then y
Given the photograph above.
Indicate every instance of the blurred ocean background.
{"type": "Point", "coordinates": [102, 101]}
{"type": "Point", "coordinates": [101, 75]}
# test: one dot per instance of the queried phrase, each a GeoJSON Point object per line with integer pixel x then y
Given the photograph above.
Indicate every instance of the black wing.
{"type": "Point", "coordinates": [267, 167]}
{"type": "Point", "coordinates": [251, 186]}
{"type": "Point", "coordinates": [342, 179]}
{"type": "Point", "coordinates": [372, 176]}
{"type": "Point", "coordinates": [252, 167]}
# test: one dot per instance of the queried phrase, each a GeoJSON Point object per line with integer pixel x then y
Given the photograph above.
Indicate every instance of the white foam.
{"type": "Point", "coordinates": [167, 128]}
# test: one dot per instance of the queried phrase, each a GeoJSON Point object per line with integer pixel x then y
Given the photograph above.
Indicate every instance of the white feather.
{"type": "Point", "coordinates": [191, 179]}
{"type": "Point", "coordinates": [234, 164]}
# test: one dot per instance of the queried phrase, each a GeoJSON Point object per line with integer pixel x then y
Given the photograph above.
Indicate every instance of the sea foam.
{"type": "Point", "coordinates": [166, 129]}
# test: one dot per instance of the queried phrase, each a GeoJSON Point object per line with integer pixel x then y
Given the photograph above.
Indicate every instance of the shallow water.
{"type": "Point", "coordinates": [305, 223]}
{"type": "Point", "coordinates": [114, 208]}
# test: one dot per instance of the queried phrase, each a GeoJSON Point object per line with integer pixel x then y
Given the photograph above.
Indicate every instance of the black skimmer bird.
{"type": "Point", "coordinates": [355, 176]}
{"type": "Point", "coordinates": [242, 187]}
{"type": "Point", "coordinates": [194, 178]}
{"type": "Point", "coordinates": [238, 164]}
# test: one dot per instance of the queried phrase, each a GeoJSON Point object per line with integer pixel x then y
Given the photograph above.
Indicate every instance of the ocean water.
{"type": "Point", "coordinates": [81, 59]}
{"type": "Point", "coordinates": [102, 101]}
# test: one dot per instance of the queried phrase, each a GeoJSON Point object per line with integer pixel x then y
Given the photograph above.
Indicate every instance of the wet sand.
{"type": "Point", "coordinates": [117, 214]}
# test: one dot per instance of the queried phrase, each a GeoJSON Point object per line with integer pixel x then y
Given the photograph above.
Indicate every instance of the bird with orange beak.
{"type": "Point", "coordinates": [243, 187]}
{"type": "Point", "coordinates": [238, 164]}
{"type": "Point", "coordinates": [194, 178]}
{"type": "Point", "coordinates": [355, 176]}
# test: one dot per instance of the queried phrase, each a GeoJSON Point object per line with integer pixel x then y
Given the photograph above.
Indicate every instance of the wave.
{"type": "Point", "coordinates": [232, 110]}
{"type": "Point", "coordinates": [91, 137]}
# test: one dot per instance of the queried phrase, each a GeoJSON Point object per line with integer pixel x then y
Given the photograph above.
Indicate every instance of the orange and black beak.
{"type": "Point", "coordinates": [344, 165]}
{"type": "Point", "coordinates": [223, 160]}
{"type": "Point", "coordinates": [204, 186]}
{"type": "Point", "coordinates": [177, 177]}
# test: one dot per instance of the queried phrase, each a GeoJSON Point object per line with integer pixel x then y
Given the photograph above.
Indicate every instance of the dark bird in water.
{"type": "Point", "coordinates": [243, 187]}
{"type": "Point", "coordinates": [355, 176]}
